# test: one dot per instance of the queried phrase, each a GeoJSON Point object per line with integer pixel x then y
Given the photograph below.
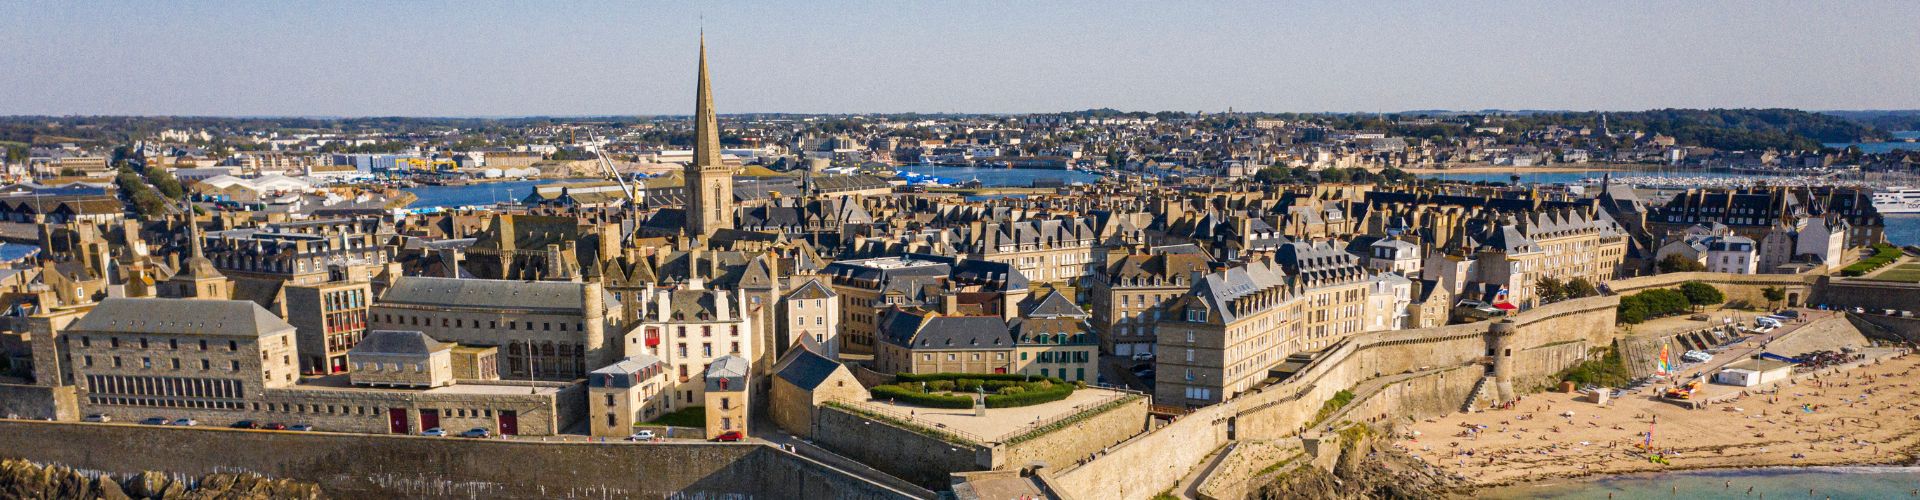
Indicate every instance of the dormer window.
{"type": "Point", "coordinates": [1197, 315]}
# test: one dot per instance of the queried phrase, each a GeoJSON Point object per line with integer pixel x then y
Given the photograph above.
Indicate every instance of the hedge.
{"type": "Point", "coordinates": [1883, 254]}
{"type": "Point", "coordinates": [913, 397]}
{"type": "Point", "coordinates": [1031, 397]}
{"type": "Point", "coordinates": [928, 377]}
{"type": "Point", "coordinates": [1004, 390]}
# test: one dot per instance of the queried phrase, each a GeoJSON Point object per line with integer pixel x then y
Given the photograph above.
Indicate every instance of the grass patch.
{"type": "Point", "coordinates": [692, 416]}
{"type": "Point", "coordinates": [1883, 254]}
{"type": "Point", "coordinates": [1908, 273]}
{"type": "Point", "coordinates": [1332, 406]}
{"type": "Point", "coordinates": [1607, 370]}
{"type": "Point", "coordinates": [1165, 495]}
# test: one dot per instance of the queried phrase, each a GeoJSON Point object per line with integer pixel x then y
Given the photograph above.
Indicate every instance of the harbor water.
{"type": "Point", "coordinates": [485, 193]}
{"type": "Point", "coordinates": [993, 177]}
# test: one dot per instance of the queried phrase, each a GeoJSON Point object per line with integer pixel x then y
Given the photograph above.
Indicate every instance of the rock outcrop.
{"type": "Point", "coordinates": [1363, 472]}
{"type": "Point", "coordinates": [23, 479]}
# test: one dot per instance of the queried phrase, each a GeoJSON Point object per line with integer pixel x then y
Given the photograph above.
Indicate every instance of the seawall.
{"type": "Point", "coordinates": [380, 466]}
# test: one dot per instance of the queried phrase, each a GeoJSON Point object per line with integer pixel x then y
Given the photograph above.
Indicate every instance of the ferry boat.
{"type": "Point", "coordinates": [1897, 200]}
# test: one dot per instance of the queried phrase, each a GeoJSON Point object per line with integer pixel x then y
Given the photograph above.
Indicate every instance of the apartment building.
{"type": "Point", "coordinates": [190, 355]}
{"type": "Point", "coordinates": [626, 393]}
{"type": "Point", "coordinates": [331, 318]}
{"type": "Point", "coordinates": [1219, 339]}
{"type": "Point", "coordinates": [1129, 294]}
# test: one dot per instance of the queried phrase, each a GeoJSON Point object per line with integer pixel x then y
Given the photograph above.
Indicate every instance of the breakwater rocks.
{"type": "Point", "coordinates": [24, 479]}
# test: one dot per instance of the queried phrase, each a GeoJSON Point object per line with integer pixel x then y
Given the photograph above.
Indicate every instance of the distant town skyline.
{"type": "Point", "coordinates": [509, 59]}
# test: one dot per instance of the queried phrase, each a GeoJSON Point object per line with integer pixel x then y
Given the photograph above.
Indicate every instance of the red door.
{"type": "Point", "coordinates": [509, 423]}
{"type": "Point", "coordinates": [397, 420]}
{"type": "Point", "coordinates": [429, 419]}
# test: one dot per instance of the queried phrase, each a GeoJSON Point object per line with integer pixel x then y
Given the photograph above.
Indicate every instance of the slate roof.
{"type": "Point", "coordinates": [486, 294]}
{"type": "Point", "coordinates": [914, 331]}
{"type": "Point", "coordinates": [228, 318]}
{"type": "Point", "coordinates": [398, 342]}
{"type": "Point", "coordinates": [806, 369]}
{"type": "Point", "coordinates": [1055, 305]}
{"type": "Point", "coordinates": [629, 366]}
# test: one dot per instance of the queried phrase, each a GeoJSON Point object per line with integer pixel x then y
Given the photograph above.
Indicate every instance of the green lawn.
{"type": "Point", "coordinates": [692, 416]}
{"type": "Point", "coordinates": [1909, 272]}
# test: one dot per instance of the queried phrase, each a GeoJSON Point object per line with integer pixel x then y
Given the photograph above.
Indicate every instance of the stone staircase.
{"type": "Point", "coordinates": [1480, 392]}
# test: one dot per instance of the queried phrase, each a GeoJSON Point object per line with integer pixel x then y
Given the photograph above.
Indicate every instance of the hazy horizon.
{"type": "Point", "coordinates": [510, 60]}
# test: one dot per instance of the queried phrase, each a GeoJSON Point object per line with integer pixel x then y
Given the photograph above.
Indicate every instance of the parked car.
{"type": "Point", "coordinates": [300, 427]}
{"type": "Point", "coordinates": [276, 426]}
{"type": "Point", "coordinates": [185, 422]}
{"type": "Point", "coordinates": [645, 435]}
{"type": "Point", "coordinates": [477, 432]}
{"type": "Point", "coordinates": [1697, 356]}
{"type": "Point", "coordinates": [1143, 356]}
{"type": "Point", "coordinates": [154, 421]}
{"type": "Point", "coordinates": [97, 417]}
{"type": "Point", "coordinates": [245, 424]}
{"type": "Point", "coordinates": [1788, 313]}
{"type": "Point", "coordinates": [439, 432]}
{"type": "Point", "coordinates": [730, 436]}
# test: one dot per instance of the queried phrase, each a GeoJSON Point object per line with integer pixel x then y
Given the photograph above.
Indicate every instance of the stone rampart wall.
{"type": "Point", "coordinates": [376, 466]}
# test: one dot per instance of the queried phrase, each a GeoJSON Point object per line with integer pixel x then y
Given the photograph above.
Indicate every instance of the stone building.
{"type": "Point", "coordinates": [1129, 293]}
{"type": "Point", "coordinates": [1051, 339]}
{"type": "Point", "coordinates": [626, 393]}
{"type": "Point", "coordinates": [549, 330]}
{"type": "Point", "coordinates": [401, 358]}
{"type": "Point", "coordinates": [868, 288]}
{"type": "Point", "coordinates": [1219, 339]}
{"type": "Point", "coordinates": [331, 318]}
{"type": "Point", "coordinates": [916, 341]}
{"type": "Point", "coordinates": [689, 329]}
{"type": "Point", "coordinates": [803, 381]}
{"type": "Point", "coordinates": [726, 396]}
{"type": "Point", "coordinates": [811, 311]}
{"type": "Point", "coordinates": [182, 356]}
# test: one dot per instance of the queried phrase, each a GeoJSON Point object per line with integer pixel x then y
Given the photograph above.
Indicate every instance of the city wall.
{"type": "Point", "coordinates": [1800, 288]}
{"type": "Point", "coordinates": [1065, 446]}
{"type": "Point", "coordinates": [1544, 340]}
{"type": "Point", "coordinates": [38, 402]}
{"type": "Point", "coordinates": [1874, 296]}
{"type": "Point", "coordinates": [378, 466]}
{"type": "Point", "coordinates": [925, 460]}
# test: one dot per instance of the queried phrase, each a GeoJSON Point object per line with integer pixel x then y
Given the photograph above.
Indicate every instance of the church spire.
{"type": "Point", "coordinates": [709, 181]}
{"type": "Point", "coordinates": [706, 124]}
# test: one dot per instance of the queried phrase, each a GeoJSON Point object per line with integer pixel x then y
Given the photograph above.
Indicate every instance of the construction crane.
{"type": "Point", "coordinates": [607, 165]}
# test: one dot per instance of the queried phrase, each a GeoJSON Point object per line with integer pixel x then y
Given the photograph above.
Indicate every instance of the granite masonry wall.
{"type": "Point", "coordinates": [1543, 340]}
{"type": "Point", "coordinates": [376, 466]}
{"type": "Point", "coordinates": [919, 458]}
{"type": "Point", "coordinates": [1063, 447]}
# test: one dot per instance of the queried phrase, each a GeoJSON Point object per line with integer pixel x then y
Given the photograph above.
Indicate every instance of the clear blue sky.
{"type": "Point", "coordinates": [574, 58]}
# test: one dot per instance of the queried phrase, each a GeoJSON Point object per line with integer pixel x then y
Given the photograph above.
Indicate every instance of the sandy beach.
{"type": "Point", "coordinates": [1866, 415]}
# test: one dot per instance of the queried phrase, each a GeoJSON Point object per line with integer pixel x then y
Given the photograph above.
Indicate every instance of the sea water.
{"type": "Point", "coordinates": [483, 193]}
{"type": "Point", "coordinates": [1773, 482]}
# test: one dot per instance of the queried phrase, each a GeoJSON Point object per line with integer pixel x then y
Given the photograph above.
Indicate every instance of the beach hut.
{"type": "Point", "coordinates": [1754, 372]}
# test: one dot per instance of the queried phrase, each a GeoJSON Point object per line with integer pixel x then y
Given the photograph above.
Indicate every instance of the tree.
{"type": "Point", "coordinates": [164, 181]}
{"type": "Point", "coordinates": [1679, 264]}
{"type": "Point", "coordinates": [1550, 289]}
{"type": "Point", "coordinates": [1581, 288]}
{"type": "Point", "coordinates": [1773, 294]}
{"type": "Point", "coordinates": [1701, 294]}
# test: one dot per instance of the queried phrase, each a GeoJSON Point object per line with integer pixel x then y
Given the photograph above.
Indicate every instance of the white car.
{"type": "Point", "coordinates": [1143, 356]}
{"type": "Point", "coordinates": [97, 417]}
{"type": "Point", "coordinates": [644, 435]}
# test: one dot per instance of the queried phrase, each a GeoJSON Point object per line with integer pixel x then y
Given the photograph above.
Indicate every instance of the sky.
{"type": "Point", "coordinates": [424, 58]}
